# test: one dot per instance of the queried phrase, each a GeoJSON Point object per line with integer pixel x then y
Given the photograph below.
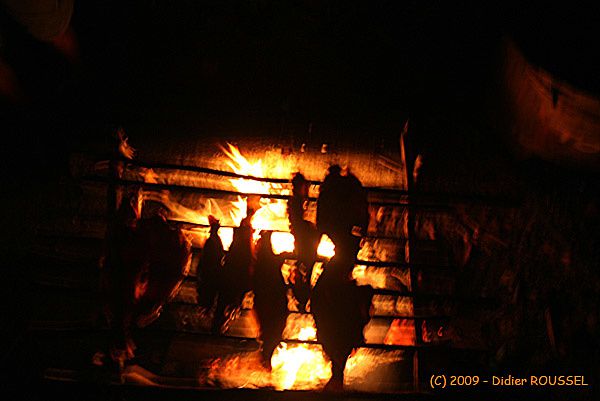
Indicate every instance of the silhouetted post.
{"type": "Point", "coordinates": [408, 155]}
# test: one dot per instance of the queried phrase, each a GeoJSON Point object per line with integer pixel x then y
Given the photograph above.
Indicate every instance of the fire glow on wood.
{"type": "Point", "coordinates": [299, 364]}
{"type": "Point", "coordinates": [294, 366]}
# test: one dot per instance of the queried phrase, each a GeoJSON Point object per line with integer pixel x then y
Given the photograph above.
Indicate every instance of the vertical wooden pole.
{"type": "Point", "coordinates": [407, 153]}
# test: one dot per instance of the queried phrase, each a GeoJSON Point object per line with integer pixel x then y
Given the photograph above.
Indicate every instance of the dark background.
{"type": "Point", "coordinates": [208, 66]}
{"type": "Point", "coordinates": [181, 70]}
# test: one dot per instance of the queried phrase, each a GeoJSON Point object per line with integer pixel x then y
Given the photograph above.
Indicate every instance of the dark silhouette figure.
{"type": "Point", "coordinates": [144, 264]}
{"type": "Point", "coordinates": [306, 240]}
{"type": "Point", "coordinates": [235, 276]}
{"type": "Point", "coordinates": [121, 270]}
{"type": "Point", "coordinates": [270, 299]}
{"type": "Point", "coordinates": [209, 266]}
{"type": "Point", "coordinates": [342, 207]}
{"type": "Point", "coordinates": [167, 256]}
{"type": "Point", "coordinates": [340, 307]}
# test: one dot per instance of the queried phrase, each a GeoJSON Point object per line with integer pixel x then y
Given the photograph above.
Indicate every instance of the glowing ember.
{"type": "Point", "coordinates": [226, 235]}
{"type": "Point", "coordinates": [307, 334]}
{"type": "Point", "coordinates": [294, 366]}
{"type": "Point", "coordinates": [282, 242]}
{"type": "Point", "coordinates": [401, 332]}
{"type": "Point", "coordinates": [359, 273]}
{"type": "Point", "coordinates": [326, 247]}
{"type": "Point", "coordinates": [390, 305]}
{"type": "Point", "coordinates": [373, 370]}
{"type": "Point", "coordinates": [316, 273]}
{"type": "Point", "coordinates": [242, 370]}
{"type": "Point", "coordinates": [300, 326]}
{"type": "Point", "coordinates": [299, 367]}
{"type": "Point", "coordinates": [366, 369]}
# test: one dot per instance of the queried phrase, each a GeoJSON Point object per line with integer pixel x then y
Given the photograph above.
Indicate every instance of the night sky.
{"type": "Point", "coordinates": [185, 67]}
{"type": "Point", "coordinates": [212, 64]}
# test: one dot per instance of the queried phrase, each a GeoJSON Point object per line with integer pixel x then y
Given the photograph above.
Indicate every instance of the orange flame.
{"type": "Point", "coordinates": [294, 366]}
{"type": "Point", "coordinates": [299, 367]}
{"type": "Point", "coordinates": [326, 247]}
{"type": "Point", "coordinates": [272, 214]}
